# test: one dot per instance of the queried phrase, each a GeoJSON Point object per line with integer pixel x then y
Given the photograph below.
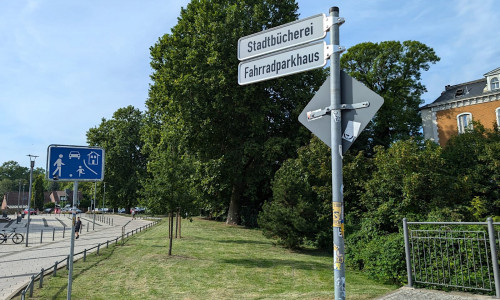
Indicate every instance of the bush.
{"type": "Point", "coordinates": [382, 257]}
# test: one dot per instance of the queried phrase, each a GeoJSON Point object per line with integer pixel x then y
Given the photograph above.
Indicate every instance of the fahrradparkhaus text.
{"type": "Point", "coordinates": [295, 60]}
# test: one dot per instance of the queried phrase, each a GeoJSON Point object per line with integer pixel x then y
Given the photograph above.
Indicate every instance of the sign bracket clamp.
{"type": "Point", "coordinates": [316, 114]}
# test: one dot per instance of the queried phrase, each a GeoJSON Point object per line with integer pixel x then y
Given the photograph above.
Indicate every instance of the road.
{"type": "Point", "coordinates": [18, 262]}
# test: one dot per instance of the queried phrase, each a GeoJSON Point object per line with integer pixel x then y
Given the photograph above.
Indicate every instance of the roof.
{"type": "Point", "coordinates": [460, 91]}
{"type": "Point", "coordinates": [466, 90]}
{"type": "Point", "coordinates": [493, 72]}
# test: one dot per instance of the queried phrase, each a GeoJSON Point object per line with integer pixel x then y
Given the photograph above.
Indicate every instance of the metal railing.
{"type": "Point", "coordinates": [59, 264]}
{"type": "Point", "coordinates": [464, 259]}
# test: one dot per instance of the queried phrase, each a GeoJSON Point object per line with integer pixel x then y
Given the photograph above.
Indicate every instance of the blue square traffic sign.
{"type": "Point", "coordinates": [75, 163]}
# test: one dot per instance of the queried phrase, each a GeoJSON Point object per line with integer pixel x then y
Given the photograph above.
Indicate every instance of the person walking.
{"type": "Point", "coordinates": [77, 227]}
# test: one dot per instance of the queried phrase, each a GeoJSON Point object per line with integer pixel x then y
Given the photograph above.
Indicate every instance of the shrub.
{"type": "Point", "coordinates": [382, 257]}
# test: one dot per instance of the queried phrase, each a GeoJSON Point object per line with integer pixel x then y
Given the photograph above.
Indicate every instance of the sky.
{"type": "Point", "coordinates": [65, 65]}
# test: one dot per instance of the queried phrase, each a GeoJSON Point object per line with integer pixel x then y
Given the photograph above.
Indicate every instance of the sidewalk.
{"type": "Point", "coordinates": [18, 262]}
{"type": "Point", "coordinates": [407, 293]}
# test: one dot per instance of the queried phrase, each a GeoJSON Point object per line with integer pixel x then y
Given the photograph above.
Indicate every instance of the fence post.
{"type": "Point", "coordinates": [31, 285]}
{"type": "Point", "coordinates": [98, 246]}
{"type": "Point", "coordinates": [494, 258]}
{"type": "Point", "coordinates": [84, 254]}
{"type": "Point", "coordinates": [41, 278]}
{"type": "Point", "coordinates": [53, 234]}
{"type": "Point", "coordinates": [41, 236]}
{"type": "Point", "coordinates": [67, 262]}
{"type": "Point", "coordinates": [407, 251]}
{"type": "Point", "coordinates": [64, 231]}
{"type": "Point", "coordinates": [23, 295]}
{"type": "Point", "coordinates": [55, 270]}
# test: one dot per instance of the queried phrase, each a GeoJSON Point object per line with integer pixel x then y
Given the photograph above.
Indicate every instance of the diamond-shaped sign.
{"type": "Point", "coordinates": [353, 93]}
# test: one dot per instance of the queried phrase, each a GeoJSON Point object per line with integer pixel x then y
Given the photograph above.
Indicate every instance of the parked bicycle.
{"type": "Point", "coordinates": [17, 238]}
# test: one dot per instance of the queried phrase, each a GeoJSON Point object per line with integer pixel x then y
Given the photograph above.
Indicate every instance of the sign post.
{"type": "Point", "coordinates": [74, 163]}
{"type": "Point", "coordinates": [336, 149]}
{"type": "Point", "coordinates": [338, 112]}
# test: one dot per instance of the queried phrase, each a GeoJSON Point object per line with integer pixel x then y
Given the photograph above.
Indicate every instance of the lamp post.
{"type": "Point", "coordinates": [32, 164]}
{"type": "Point", "coordinates": [19, 197]}
{"type": "Point", "coordinates": [103, 195]}
{"type": "Point", "coordinates": [18, 203]}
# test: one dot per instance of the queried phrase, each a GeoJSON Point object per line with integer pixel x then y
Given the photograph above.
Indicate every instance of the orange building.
{"type": "Point", "coordinates": [452, 112]}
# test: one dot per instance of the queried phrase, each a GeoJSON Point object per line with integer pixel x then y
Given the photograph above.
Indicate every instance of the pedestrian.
{"type": "Point", "coordinates": [133, 213]}
{"type": "Point", "coordinates": [77, 227]}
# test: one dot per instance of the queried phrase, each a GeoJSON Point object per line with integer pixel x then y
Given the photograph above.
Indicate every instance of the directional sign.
{"type": "Point", "coordinates": [75, 163]}
{"type": "Point", "coordinates": [282, 37]}
{"type": "Point", "coordinates": [354, 94]}
{"type": "Point", "coordinates": [296, 60]}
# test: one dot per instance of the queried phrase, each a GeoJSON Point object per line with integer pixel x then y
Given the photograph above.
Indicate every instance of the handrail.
{"type": "Point", "coordinates": [40, 275]}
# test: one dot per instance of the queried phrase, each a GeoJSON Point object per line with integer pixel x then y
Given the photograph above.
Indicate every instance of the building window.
{"type": "Point", "coordinates": [464, 122]}
{"type": "Point", "coordinates": [494, 84]}
{"type": "Point", "coordinates": [498, 116]}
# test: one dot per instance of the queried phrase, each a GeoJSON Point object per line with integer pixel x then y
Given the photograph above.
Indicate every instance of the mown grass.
{"type": "Point", "coordinates": [211, 261]}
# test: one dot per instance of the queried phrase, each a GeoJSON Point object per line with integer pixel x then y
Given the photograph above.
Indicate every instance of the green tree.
{"type": "Point", "coordinates": [239, 135]}
{"type": "Point", "coordinates": [472, 159]}
{"type": "Point", "coordinates": [37, 195]}
{"type": "Point", "coordinates": [300, 210]}
{"type": "Point", "coordinates": [393, 70]}
{"type": "Point", "coordinates": [11, 173]}
{"type": "Point", "coordinates": [125, 165]}
{"type": "Point", "coordinates": [408, 183]}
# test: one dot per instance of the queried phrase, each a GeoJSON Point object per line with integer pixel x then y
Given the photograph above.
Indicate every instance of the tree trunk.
{"type": "Point", "coordinates": [171, 233]}
{"type": "Point", "coordinates": [233, 217]}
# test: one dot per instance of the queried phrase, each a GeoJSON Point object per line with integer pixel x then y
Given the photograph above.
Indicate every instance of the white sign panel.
{"type": "Point", "coordinates": [300, 59]}
{"type": "Point", "coordinates": [282, 37]}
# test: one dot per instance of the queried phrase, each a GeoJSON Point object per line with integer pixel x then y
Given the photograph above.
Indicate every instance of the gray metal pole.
{"type": "Point", "coordinates": [95, 192]}
{"type": "Point", "coordinates": [494, 259]}
{"type": "Point", "coordinates": [19, 198]}
{"type": "Point", "coordinates": [103, 196]}
{"type": "Point", "coordinates": [407, 251]}
{"type": "Point", "coordinates": [337, 184]}
{"type": "Point", "coordinates": [72, 247]}
{"type": "Point", "coordinates": [32, 165]}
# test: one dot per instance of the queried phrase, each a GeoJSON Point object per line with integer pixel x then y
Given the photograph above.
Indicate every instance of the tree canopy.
{"type": "Point", "coordinates": [393, 70]}
{"type": "Point", "coordinates": [124, 161]}
{"type": "Point", "coordinates": [238, 135]}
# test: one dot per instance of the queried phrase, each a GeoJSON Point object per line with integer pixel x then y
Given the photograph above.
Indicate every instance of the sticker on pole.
{"type": "Point", "coordinates": [75, 163]}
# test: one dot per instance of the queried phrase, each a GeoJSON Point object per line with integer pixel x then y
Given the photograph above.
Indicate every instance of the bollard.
{"type": "Point", "coordinates": [112, 222]}
{"type": "Point", "coordinates": [88, 225]}
{"type": "Point", "coordinates": [98, 246]}
{"type": "Point", "coordinates": [107, 244]}
{"type": "Point", "coordinates": [55, 270]}
{"type": "Point", "coordinates": [85, 255]}
{"type": "Point", "coordinates": [67, 262]}
{"type": "Point", "coordinates": [53, 234]}
{"type": "Point", "coordinates": [41, 236]}
{"type": "Point", "coordinates": [41, 279]}
{"type": "Point", "coordinates": [64, 231]}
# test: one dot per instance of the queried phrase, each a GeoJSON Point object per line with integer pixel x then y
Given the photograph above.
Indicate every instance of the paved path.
{"type": "Point", "coordinates": [18, 262]}
{"type": "Point", "coordinates": [406, 293]}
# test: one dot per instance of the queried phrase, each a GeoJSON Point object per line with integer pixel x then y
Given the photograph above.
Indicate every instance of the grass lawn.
{"type": "Point", "coordinates": [211, 261]}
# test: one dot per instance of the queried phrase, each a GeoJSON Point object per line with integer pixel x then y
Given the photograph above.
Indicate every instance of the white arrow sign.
{"type": "Point", "coordinates": [300, 59]}
{"type": "Point", "coordinates": [282, 37]}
